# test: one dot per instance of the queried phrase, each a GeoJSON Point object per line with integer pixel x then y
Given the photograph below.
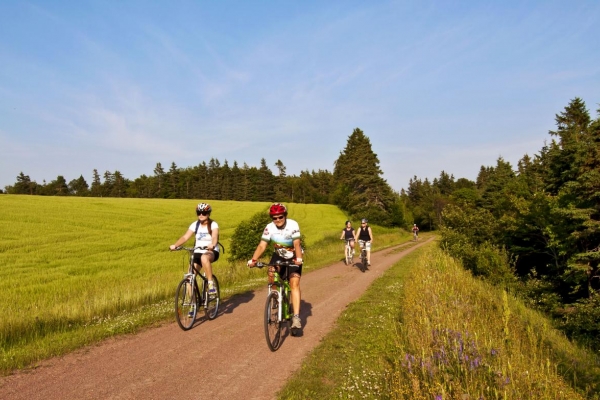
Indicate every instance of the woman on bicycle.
{"type": "Point", "coordinates": [348, 234]}
{"type": "Point", "coordinates": [285, 235]}
{"type": "Point", "coordinates": [365, 235]}
{"type": "Point", "coordinates": [207, 236]}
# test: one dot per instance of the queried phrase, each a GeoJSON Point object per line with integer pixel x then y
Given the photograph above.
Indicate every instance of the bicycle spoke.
{"type": "Point", "coordinates": [211, 308]}
{"type": "Point", "coordinates": [272, 323]}
{"type": "Point", "coordinates": [185, 304]}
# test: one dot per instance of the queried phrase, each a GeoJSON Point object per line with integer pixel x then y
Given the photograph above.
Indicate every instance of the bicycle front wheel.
{"type": "Point", "coordinates": [273, 326]}
{"type": "Point", "coordinates": [212, 301]}
{"type": "Point", "coordinates": [186, 303]}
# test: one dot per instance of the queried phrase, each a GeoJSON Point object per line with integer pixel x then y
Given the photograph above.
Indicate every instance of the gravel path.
{"type": "Point", "coordinates": [226, 358]}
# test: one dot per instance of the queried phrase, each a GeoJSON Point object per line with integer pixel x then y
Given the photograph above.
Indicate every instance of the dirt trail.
{"type": "Point", "coordinates": [229, 355]}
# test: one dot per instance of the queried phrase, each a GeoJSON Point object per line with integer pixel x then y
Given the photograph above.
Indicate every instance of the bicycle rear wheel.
{"type": "Point", "coordinates": [211, 307]}
{"type": "Point", "coordinates": [186, 299]}
{"type": "Point", "coordinates": [273, 326]}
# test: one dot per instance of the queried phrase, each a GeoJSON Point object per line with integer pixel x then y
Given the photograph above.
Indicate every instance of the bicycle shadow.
{"type": "Point", "coordinates": [305, 313]}
{"type": "Point", "coordinates": [235, 301]}
{"type": "Point", "coordinates": [361, 267]}
{"type": "Point", "coordinates": [226, 307]}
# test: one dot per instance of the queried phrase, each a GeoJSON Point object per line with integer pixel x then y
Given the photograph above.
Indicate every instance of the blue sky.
{"type": "Point", "coordinates": [122, 85]}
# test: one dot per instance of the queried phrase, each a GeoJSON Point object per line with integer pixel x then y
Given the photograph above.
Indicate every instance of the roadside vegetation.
{"type": "Point", "coordinates": [77, 270]}
{"type": "Point", "coordinates": [428, 330]}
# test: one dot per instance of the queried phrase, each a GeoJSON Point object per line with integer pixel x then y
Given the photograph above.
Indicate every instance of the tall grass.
{"type": "Point", "coordinates": [75, 270]}
{"type": "Point", "coordinates": [428, 330]}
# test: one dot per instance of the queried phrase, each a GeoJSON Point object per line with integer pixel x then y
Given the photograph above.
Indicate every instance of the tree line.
{"type": "Point", "coordinates": [356, 184]}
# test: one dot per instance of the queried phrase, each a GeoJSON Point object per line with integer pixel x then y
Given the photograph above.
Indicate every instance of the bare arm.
{"type": "Point", "coordinates": [186, 236]}
{"type": "Point", "coordinates": [260, 249]}
{"type": "Point", "coordinates": [298, 251]}
{"type": "Point", "coordinates": [215, 239]}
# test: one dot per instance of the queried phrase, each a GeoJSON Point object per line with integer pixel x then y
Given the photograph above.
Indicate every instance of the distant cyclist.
{"type": "Point", "coordinates": [415, 231]}
{"type": "Point", "coordinates": [365, 235]}
{"type": "Point", "coordinates": [348, 234]}
{"type": "Point", "coordinates": [285, 235]}
{"type": "Point", "coordinates": [207, 235]}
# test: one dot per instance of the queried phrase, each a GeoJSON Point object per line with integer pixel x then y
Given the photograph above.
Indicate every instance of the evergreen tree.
{"type": "Point", "coordinates": [79, 187]}
{"type": "Point", "coordinates": [96, 189]}
{"type": "Point", "coordinates": [361, 189]}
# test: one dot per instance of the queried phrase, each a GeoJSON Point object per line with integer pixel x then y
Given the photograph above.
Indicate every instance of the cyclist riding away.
{"type": "Point", "coordinates": [348, 234]}
{"type": "Point", "coordinates": [207, 237]}
{"type": "Point", "coordinates": [364, 235]}
{"type": "Point", "coordinates": [285, 235]}
{"type": "Point", "coordinates": [415, 231]}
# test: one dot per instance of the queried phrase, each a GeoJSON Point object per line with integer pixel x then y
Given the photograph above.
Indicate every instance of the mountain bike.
{"type": "Point", "coordinates": [278, 307]}
{"type": "Point", "coordinates": [190, 296]}
{"type": "Point", "coordinates": [349, 257]}
{"type": "Point", "coordinates": [363, 253]}
{"type": "Point", "coordinates": [415, 236]}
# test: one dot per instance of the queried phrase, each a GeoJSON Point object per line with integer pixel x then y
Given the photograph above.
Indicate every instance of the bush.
{"type": "Point", "coordinates": [247, 236]}
{"type": "Point", "coordinates": [485, 259]}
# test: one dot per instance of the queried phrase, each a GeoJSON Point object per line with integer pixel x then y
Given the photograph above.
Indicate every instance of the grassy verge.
{"type": "Point", "coordinates": [428, 330]}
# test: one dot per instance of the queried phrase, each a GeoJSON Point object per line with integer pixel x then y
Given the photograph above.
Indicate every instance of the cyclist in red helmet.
{"type": "Point", "coordinates": [207, 235]}
{"type": "Point", "coordinates": [284, 233]}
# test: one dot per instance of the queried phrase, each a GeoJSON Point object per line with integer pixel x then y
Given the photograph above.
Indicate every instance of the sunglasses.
{"type": "Point", "coordinates": [202, 213]}
{"type": "Point", "coordinates": [277, 218]}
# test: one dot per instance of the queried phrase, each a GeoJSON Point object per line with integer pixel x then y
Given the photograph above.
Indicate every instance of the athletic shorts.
{"type": "Point", "coordinates": [293, 269]}
{"type": "Point", "coordinates": [197, 256]}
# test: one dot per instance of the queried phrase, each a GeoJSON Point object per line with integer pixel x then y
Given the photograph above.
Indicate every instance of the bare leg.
{"type": "Point", "coordinates": [207, 259]}
{"type": "Point", "coordinates": [295, 286]}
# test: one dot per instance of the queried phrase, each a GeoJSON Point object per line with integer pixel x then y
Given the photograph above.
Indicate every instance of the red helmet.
{"type": "Point", "coordinates": [277, 209]}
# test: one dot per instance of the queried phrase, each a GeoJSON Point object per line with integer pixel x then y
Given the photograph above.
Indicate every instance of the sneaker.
{"type": "Point", "coordinates": [296, 323]}
{"type": "Point", "coordinates": [212, 290]}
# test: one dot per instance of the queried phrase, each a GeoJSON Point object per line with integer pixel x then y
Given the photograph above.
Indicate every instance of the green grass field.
{"type": "Point", "coordinates": [75, 270]}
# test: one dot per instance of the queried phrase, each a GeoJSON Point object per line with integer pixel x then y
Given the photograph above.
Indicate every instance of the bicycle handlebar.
{"type": "Point", "coordinates": [190, 248]}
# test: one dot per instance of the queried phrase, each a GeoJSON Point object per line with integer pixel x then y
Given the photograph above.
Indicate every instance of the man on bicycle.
{"type": "Point", "coordinates": [364, 235]}
{"type": "Point", "coordinates": [285, 235]}
{"type": "Point", "coordinates": [415, 231]}
{"type": "Point", "coordinates": [348, 234]}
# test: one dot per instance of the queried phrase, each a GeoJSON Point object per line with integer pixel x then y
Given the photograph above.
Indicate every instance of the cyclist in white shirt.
{"type": "Point", "coordinates": [285, 235]}
{"type": "Point", "coordinates": [207, 235]}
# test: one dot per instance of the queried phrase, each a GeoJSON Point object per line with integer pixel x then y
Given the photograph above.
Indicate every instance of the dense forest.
{"type": "Point", "coordinates": [535, 229]}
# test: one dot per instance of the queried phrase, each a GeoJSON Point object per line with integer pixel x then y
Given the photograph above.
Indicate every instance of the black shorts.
{"type": "Point", "coordinates": [197, 256]}
{"type": "Point", "coordinates": [292, 269]}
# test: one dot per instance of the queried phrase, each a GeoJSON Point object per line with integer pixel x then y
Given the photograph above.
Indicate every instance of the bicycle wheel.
{"type": "Point", "coordinates": [348, 255]}
{"type": "Point", "coordinates": [273, 326]}
{"type": "Point", "coordinates": [186, 304]}
{"type": "Point", "coordinates": [211, 307]}
{"type": "Point", "coordinates": [363, 258]}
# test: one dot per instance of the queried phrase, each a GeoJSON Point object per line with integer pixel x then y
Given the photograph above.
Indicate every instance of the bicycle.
{"type": "Point", "coordinates": [363, 253]}
{"type": "Point", "coordinates": [415, 236]}
{"type": "Point", "coordinates": [189, 298]}
{"type": "Point", "coordinates": [278, 307]}
{"type": "Point", "coordinates": [349, 257]}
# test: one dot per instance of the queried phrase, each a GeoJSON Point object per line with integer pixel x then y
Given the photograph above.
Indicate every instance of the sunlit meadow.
{"type": "Point", "coordinates": [74, 270]}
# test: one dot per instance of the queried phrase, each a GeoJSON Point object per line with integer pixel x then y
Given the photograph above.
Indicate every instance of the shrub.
{"type": "Point", "coordinates": [247, 236]}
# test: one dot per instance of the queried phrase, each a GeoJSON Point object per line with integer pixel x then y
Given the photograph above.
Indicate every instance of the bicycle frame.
{"type": "Point", "coordinates": [284, 291]}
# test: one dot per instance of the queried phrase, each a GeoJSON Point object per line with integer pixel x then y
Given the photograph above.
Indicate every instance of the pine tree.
{"type": "Point", "coordinates": [361, 189]}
